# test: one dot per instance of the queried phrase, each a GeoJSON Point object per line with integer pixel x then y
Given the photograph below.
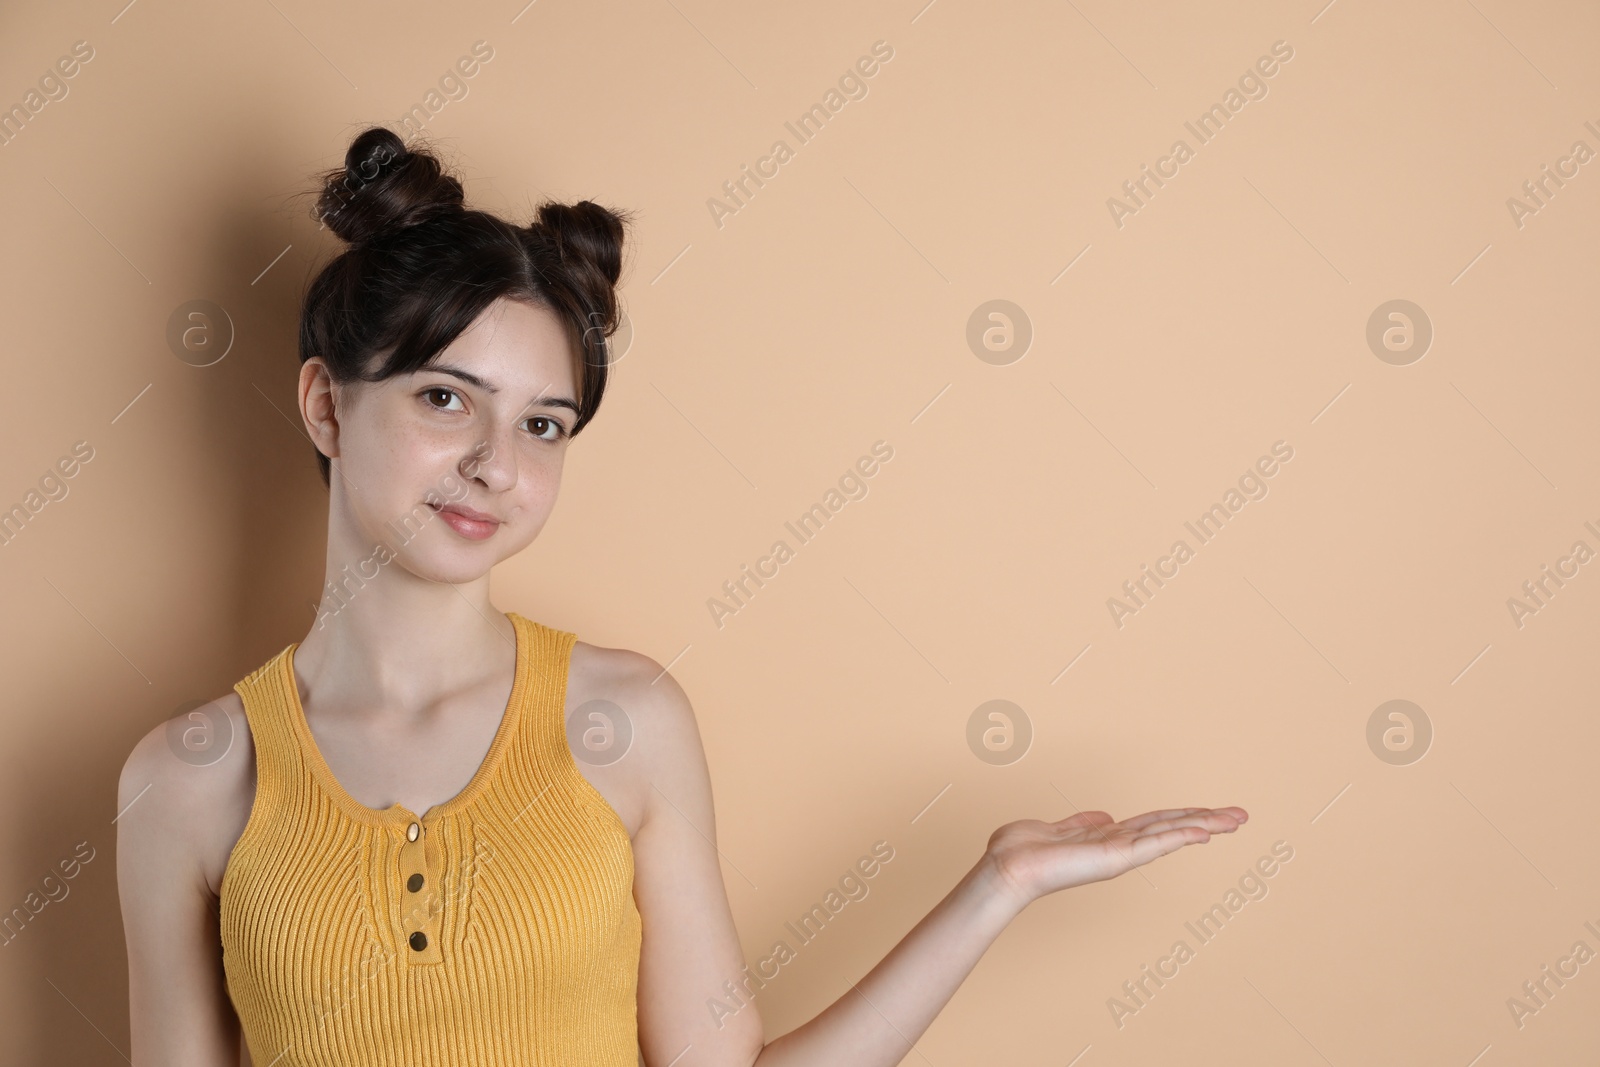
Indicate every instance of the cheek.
{"type": "Point", "coordinates": [539, 478]}
{"type": "Point", "coordinates": [538, 486]}
{"type": "Point", "coordinates": [392, 464]}
{"type": "Point", "coordinates": [407, 444]}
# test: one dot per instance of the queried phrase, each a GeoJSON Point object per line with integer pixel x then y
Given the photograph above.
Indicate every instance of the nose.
{"type": "Point", "coordinates": [492, 462]}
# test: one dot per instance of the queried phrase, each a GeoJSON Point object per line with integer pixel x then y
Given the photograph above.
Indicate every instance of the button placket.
{"type": "Point", "coordinates": [420, 904]}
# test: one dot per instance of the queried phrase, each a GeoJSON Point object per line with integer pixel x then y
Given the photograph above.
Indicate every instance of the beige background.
{"type": "Point", "coordinates": [830, 312]}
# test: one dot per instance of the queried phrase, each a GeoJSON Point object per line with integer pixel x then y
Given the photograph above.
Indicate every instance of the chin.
{"type": "Point", "coordinates": [452, 569]}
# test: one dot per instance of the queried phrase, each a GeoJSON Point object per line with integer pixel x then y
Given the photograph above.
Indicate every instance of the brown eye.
{"type": "Point", "coordinates": [439, 390]}
{"type": "Point", "coordinates": [542, 427]}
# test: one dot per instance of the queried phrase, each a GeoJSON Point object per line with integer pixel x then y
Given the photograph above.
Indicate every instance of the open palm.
{"type": "Point", "coordinates": [1039, 858]}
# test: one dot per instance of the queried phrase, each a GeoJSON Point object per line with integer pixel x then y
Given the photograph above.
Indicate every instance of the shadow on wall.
{"type": "Point", "coordinates": [245, 459]}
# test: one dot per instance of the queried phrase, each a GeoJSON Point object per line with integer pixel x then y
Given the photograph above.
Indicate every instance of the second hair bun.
{"type": "Point", "coordinates": [384, 186]}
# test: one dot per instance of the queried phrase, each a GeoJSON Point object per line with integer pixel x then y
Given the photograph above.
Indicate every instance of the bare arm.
{"type": "Point", "coordinates": [883, 1016]}
{"type": "Point", "coordinates": [179, 1011]}
{"type": "Point", "coordinates": [690, 948]}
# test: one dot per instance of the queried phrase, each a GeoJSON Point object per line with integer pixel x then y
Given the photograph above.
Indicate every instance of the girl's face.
{"type": "Point", "coordinates": [482, 429]}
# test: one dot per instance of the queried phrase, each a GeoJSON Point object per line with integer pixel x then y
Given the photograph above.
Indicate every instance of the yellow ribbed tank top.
{"type": "Point", "coordinates": [495, 929]}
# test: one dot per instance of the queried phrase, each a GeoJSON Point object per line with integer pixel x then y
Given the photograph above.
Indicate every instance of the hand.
{"type": "Point", "coordinates": [1034, 859]}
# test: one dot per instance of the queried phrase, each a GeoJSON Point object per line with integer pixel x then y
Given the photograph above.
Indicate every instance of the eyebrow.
{"type": "Point", "coordinates": [488, 387]}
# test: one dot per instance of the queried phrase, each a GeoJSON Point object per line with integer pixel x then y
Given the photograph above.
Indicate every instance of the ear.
{"type": "Point", "coordinates": [317, 396]}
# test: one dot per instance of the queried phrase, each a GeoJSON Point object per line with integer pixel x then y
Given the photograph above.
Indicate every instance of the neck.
{"type": "Point", "coordinates": [387, 636]}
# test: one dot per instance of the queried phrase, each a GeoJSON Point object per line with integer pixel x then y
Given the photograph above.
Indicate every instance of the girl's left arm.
{"type": "Point", "coordinates": [690, 949]}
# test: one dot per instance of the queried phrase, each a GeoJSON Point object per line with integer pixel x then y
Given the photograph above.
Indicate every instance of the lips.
{"type": "Point", "coordinates": [469, 523]}
{"type": "Point", "coordinates": [466, 513]}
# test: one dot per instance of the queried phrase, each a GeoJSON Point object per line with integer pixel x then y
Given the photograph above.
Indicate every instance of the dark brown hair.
{"type": "Point", "coordinates": [421, 267]}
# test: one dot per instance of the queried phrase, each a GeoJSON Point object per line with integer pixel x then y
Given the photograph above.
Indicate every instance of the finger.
{"type": "Point", "coordinates": [1237, 814]}
{"type": "Point", "coordinates": [1215, 822]}
{"type": "Point", "coordinates": [1139, 822]}
{"type": "Point", "coordinates": [1153, 846]}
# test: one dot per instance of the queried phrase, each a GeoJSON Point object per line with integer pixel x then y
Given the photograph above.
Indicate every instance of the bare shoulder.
{"type": "Point", "coordinates": [598, 671]}
{"type": "Point", "coordinates": [631, 699]}
{"type": "Point", "coordinates": [645, 691]}
{"type": "Point", "coordinates": [178, 797]}
{"type": "Point", "coordinates": [187, 787]}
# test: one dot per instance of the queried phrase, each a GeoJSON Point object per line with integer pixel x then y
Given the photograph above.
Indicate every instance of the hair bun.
{"type": "Point", "coordinates": [383, 187]}
{"type": "Point", "coordinates": [586, 236]}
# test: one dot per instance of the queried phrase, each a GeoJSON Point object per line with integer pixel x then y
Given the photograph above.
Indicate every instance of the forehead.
{"type": "Point", "coordinates": [515, 345]}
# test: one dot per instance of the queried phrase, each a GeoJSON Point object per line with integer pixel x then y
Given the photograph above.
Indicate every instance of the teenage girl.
{"type": "Point", "coordinates": [384, 847]}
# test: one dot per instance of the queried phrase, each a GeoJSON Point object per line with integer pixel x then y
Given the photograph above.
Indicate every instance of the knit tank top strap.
{"type": "Point", "coordinates": [284, 782]}
{"type": "Point", "coordinates": [496, 927]}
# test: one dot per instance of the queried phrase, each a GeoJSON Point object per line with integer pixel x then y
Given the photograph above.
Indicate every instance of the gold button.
{"type": "Point", "coordinates": [412, 831]}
